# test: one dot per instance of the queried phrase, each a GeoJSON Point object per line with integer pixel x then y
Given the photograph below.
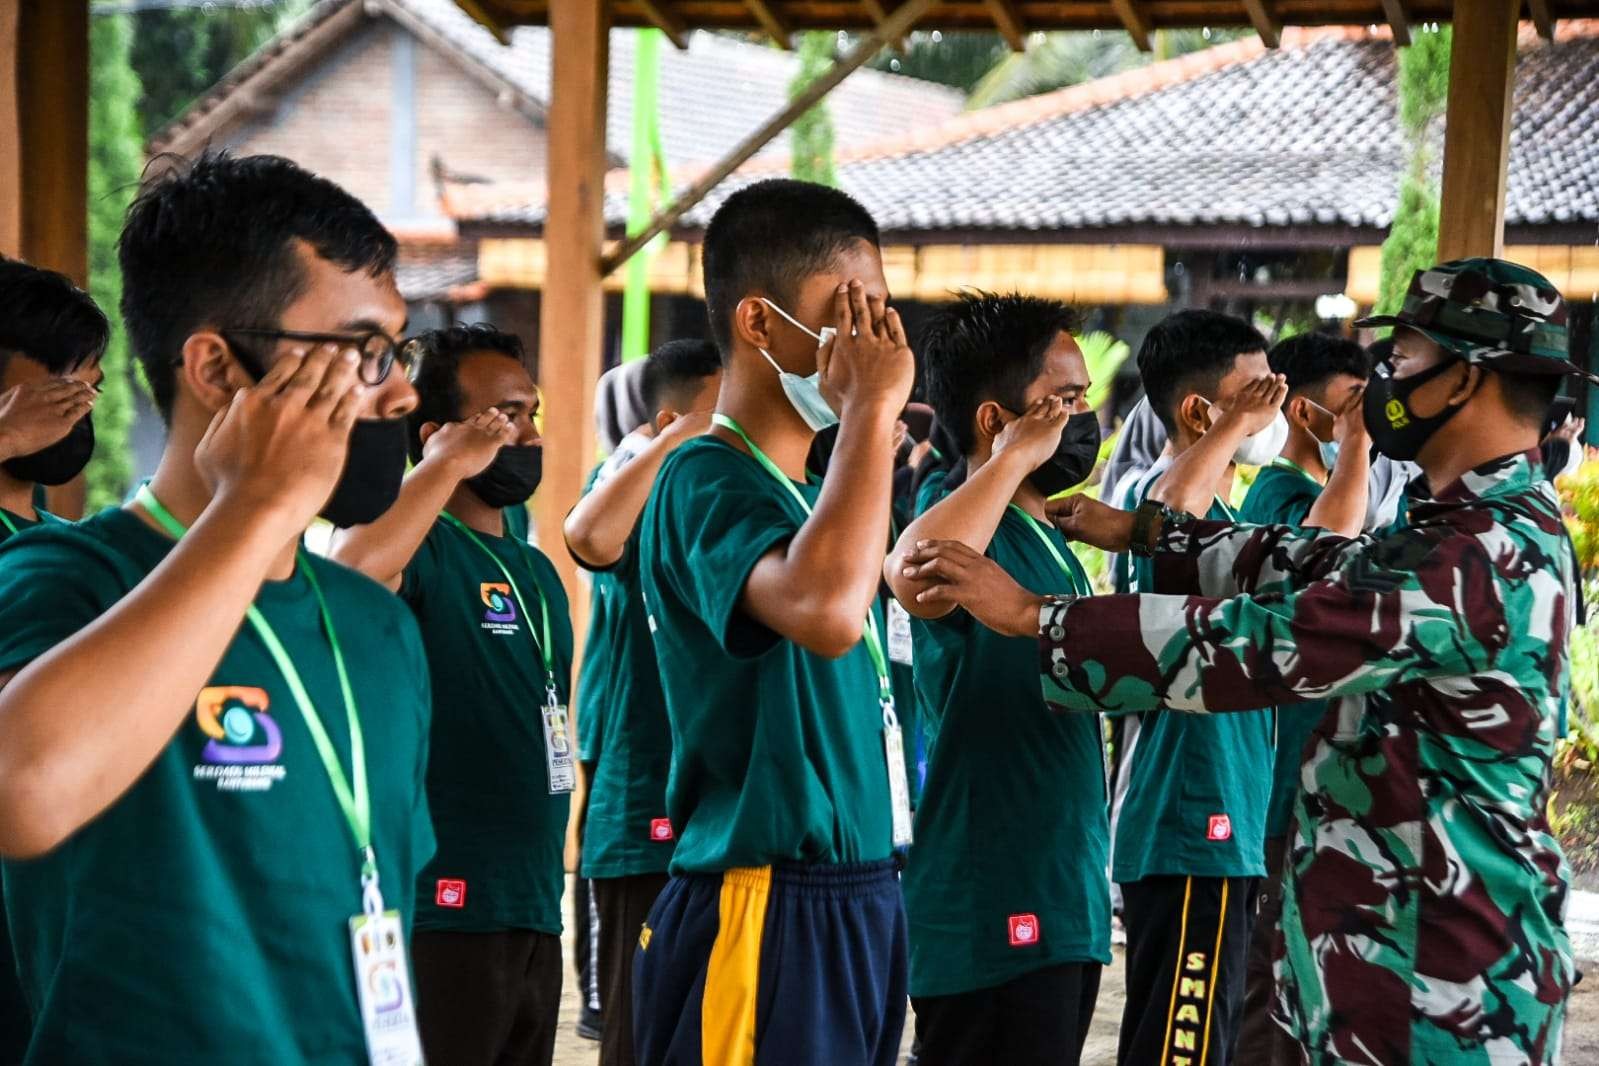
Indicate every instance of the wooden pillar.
{"type": "Point", "coordinates": [1482, 66]}
{"type": "Point", "coordinates": [572, 311]}
{"type": "Point", "coordinates": [44, 134]}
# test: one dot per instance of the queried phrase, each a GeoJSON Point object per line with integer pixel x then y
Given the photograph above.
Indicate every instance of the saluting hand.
{"type": "Point", "coordinates": [469, 447]}
{"type": "Point", "coordinates": [36, 415]}
{"type": "Point", "coordinates": [1033, 437]}
{"type": "Point", "coordinates": [1255, 403]}
{"type": "Point", "coordinates": [277, 450]}
{"type": "Point", "coordinates": [868, 361]}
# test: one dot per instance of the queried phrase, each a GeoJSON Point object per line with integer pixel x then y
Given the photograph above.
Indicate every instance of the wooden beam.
{"type": "Point", "coordinates": [1398, 21]}
{"type": "Point", "coordinates": [896, 25]}
{"type": "Point", "coordinates": [878, 11]}
{"type": "Point", "coordinates": [1543, 18]}
{"type": "Point", "coordinates": [1134, 22]}
{"type": "Point", "coordinates": [572, 314]}
{"type": "Point", "coordinates": [774, 26]}
{"type": "Point", "coordinates": [1009, 23]}
{"type": "Point", "coordinates": [10, 130]}
{"type": "Point", "coordinates": [662, 18]}
{"type": "Point", "coordinates": [1265, 22]}
{"type": "Point", "coordinates": [1482, 64]}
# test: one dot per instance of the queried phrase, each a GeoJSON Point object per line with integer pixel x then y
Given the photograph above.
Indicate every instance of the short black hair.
{"type": "Point", "coordinates": [47, 318]}
{"type": "Point", "coordinates": [436, 356]}
{"type": "Point", "coordinates": [1191, 350]}
{"type": "Point", "coordinates": [675, 372]}
{"type": "Point", "coordinates": [769, 237]}
{"type": "Point", "coordinates": [211, 242]}
{"type": "Point", "coordinates": [1529, 395]}
{"type": "Point", "coordinates": [1310, 360]}
{"type": "Point", "coordinates": [985, 347]}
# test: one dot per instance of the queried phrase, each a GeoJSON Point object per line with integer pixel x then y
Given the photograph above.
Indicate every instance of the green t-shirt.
{"type": "Point", "coordinates": [778, 752]}
{"type": "Point", "coordinates": [592, 698]}
{"type": "Point", "coordinates": [626, 831]}
{"type": "Point", "coordinates": [1197, 787]}
{"type": "Point", "coordinates": [11, 518]}
{"type": "Point", "coordinates": [1012, 835]}
{"type": "Point", "coordinates": [500, 830]}
{"type": "Point", "coordinates": [516, 522]}
{"type": "Point", "coordinates": [1282, 495]}
{"type": "Point", "coordinates": [203, 916]}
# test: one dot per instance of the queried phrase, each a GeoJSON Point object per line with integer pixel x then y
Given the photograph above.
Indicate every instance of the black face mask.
{"type": "Point", "coordinates": [372, 473]}
{"type": "Point", "coordinates": [1397, 431]}
{"type": "Point", "coordinates": [512, 477]}
{"type": "Point", "coordinates": [61, 461]}
{"type": "Point", "coordinates": [1074, 456]}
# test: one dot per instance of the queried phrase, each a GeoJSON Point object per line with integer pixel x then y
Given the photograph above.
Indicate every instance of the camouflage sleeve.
{"type": "Point", "coordinates": [1432, 611]}
{"type": "Point", "coordinates": [1228, 559]}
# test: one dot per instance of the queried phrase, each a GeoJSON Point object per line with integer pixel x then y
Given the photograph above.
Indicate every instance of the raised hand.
{"type": "Point", "coordinates": [1255, 404]}
{"type": "Point", "coordinates": [1081, 517]}
{"type": "Point", "coordinates": [1349, 428]}
{"type": "Point", "coordinates": [684, 428]}
{"type": "Point", "coordinates": [277, 450]}
{"type": "Point", "coordinates": [867, 361]}
{"type": "Point", "coordinates": [469, 447]}
{"type": "Point", "coordinates": [36, 415]}
{"type": "Point", "coordinates": [1033, 437]}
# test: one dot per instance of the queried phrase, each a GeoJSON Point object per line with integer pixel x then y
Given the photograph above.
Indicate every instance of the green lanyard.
{"type": "Point", "coordinates": [874, 642]}
{"type": "Point", "coordinates": [1226, 510]}
{"type": "Point", "coordinates": [9, 524]}
{"type": "Point", "coordinates": [1284, 463]}
{"type": "Point", "coordinates": [545, 648]}
{"type": "Point", "coordinates": [356, 802]}
{"type": "Point", "coordinates": [1060, 560]}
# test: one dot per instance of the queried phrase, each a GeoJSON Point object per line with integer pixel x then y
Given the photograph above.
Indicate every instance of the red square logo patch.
{"type": "Point", "coordinates": [661, 829]}
{"type": "Point", "coordinates": [1221, 828]}
{"type": "Point", "coordinates": [1023, 930]}
{"type": "Point", "coordinates": [450, 893]}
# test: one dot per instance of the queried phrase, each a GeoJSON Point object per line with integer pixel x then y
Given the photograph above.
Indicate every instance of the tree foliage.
{"type": "Point", "coordinates": [811, 136]}
{"type": "Point", "coordinates": [114, 162]}
{"type": "Point", "coordinates": [1412, 242]}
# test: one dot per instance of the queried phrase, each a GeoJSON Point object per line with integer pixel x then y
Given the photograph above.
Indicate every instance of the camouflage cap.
{"type": "Point", "coordinates": [1490, 311]}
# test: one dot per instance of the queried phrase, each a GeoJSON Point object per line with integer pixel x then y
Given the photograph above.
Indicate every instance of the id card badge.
{"type": "Point", "coordinates": [383, 986]}
{"type": "Point", "coordinates": [899, 790]}
{"type": "Point", "coordinates": [899, 634]}
{"type": "Point", "coordinates": [558, 749]}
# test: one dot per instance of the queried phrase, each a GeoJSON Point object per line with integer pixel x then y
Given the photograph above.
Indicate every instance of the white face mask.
{"type": "Point", "coordinates": [804, 393]}
{"type": "Point", "coordinates": [1259, 448]}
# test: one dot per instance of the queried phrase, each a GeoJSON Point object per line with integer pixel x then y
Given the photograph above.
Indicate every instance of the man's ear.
{"type": "Point", "coordinates": [989, 419]}
{"type": "Point", "coordinates": [209, 369]}
{"type": "Point", "coordinates": [1193, 413]}
{"type": "Point", "coordinates": [1300, 413]}
{"type": "Point", "coordinates": [1470, 382]}
{"type": "Point", "coordinates": [665, 417]}
{"type": "Point", "coordinates": [426, 431]}
{"type": "Point", "coordinates": [752, 322]}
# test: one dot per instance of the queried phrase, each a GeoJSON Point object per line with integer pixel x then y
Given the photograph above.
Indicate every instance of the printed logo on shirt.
{"type": "Point", "coordinates": [243, 741]}
{"type": "Point", "coordinates": [1023, 930]}
{"type": "Point", "coordinates": [661, 829]}
{"type": "Point", "coordinates": [501, 614]}
{"type": "Point", "coordinates": [450, 893]}
{"type": "Point", "coordinates": [1220, 828]}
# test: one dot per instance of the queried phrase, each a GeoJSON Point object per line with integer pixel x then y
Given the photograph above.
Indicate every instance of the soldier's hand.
{"type": "Point", "coordinates": [868, 361]}
{"type": "Point", "coordinates": [1031, 439]}
{"type": "Point", "coordinates": [277, 450]}
{"type": "Point", "coordinates": [961, 577]}
{"type": "Point", "coordinates": [36, 415]}
{"type": "Point", "coordinates": [1081, 517]}
{"type": "Point", "coordinates": [469, 447]}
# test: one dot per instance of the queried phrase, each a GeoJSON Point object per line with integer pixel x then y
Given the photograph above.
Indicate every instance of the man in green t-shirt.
{"type": "Point", "coordinates": [51, 338]}
{"type": "Point", "coordinates": [1005, 888]}
{"type": "Point", "coordinates": [198, 863]}
{"type": "Point", "coordinates": [627, 837]}
{"type": "Point", "coordinates": [1319, 481]}
{"type": "Point", "coordinates": [501, 766]}
{"type": "Point", "coordinates": [1190, 826]}
{"type": "Point", "coordinates": [787, 791]}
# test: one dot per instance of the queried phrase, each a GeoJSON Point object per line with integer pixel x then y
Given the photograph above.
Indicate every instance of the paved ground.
{"type": "Point", "coordinates": [1582, 1025]}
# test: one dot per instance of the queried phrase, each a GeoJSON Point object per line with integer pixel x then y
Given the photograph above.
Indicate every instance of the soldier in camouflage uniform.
{"type": "Point", "coordinates": [1425, 895]}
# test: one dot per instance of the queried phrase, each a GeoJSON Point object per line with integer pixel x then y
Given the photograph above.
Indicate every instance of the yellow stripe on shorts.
{"type": "Point", "coordinates": [732, 979]}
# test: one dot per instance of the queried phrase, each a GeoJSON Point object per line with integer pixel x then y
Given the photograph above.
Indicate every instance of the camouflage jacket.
{"type": "Point", "coordinates": [1424, 899]}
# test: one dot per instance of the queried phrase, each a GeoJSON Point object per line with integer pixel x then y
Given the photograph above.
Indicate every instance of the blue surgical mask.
{"type": "Point", "coordinates": [804, 393]}
{"type": "Point", "coordinates": [1328, 448]}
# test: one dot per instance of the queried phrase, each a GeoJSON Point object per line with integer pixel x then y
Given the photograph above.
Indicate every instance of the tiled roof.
{"type": "Point", "coordinates": [435, 271]}
{"type": "Point", "coordinates": [711, 95]}
{"type": "Point", "coordinates": [1236, 136]}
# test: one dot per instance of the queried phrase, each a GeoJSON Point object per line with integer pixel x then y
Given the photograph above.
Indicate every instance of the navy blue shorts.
{"type": "Point", "coordinates": [791, 965]}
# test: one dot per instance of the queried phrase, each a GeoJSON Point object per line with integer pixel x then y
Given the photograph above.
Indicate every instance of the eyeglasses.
{"type": "Point", "coordinates": [379, 351]}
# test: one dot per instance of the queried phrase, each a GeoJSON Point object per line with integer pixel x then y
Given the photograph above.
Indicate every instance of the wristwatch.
{"type": "Point", "coordinates": [1148, 521]}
